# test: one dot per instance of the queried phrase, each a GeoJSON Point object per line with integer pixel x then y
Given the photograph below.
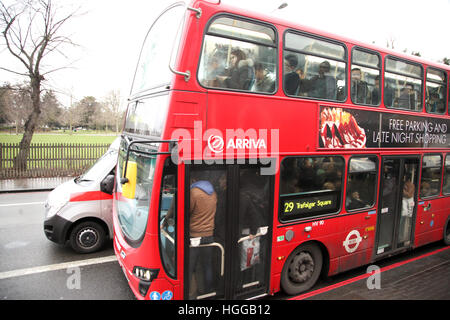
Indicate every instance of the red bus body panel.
{"type": "Point", "coordinates": [346, 239]}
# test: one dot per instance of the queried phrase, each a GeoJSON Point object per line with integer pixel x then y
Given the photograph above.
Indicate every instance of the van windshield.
{"type": "Point", "coordinates": [97, 171]}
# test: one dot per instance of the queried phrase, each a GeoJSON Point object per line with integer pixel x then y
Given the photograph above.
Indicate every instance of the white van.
{"type": "Point", "coordinates": [80, 210]}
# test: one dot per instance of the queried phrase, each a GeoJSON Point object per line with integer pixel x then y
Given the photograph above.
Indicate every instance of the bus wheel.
{"type": "Point", "coordinates": [447, 232]}
{"type": "Point", "coordinates": [87, 237]}
{"type": "Point", "coordinates": [302, 269]}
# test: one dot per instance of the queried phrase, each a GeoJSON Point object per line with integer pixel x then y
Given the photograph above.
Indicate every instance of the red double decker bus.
{"type": "Point", "coordinates": [258, 154]}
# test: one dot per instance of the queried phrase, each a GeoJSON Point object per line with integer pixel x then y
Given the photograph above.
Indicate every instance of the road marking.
{"type": "Point", "coordinates": [21, 204]}
{"type": "Point", "coordinates": [55, 267]}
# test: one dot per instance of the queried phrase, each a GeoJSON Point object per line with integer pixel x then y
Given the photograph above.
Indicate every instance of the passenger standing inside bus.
{"type": "Point", "coordinates": [253, 206]}
{"type": "Point", "coordinates": [375, 95]}
{"type": "Point", "coordinates": [291, 78]}
{"type": "Point", "coordinates": [202, 209]}
{"type": "Point", "coordinates": [407, 210]}
{"type": "Point", "coordinates": [263, 82]}
{"type": "Point", "coordinates": [322, 85]}
{"type": "Point", "coordinates": [214, 69]}
{"type": "Point", "coordinates": [241, 74]}
{"type": "Point", "coordinates": [360, 90]}
{"type": "Point", "coordinates": [407, 99]}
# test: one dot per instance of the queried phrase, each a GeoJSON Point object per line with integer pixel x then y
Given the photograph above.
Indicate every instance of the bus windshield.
{"type": "Point", "coordinates": [153, 66]}
{"type": "Point", "coordinates": [133, 213]}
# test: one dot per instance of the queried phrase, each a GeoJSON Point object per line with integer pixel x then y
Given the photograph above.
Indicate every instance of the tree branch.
{"type": "Point", "coordinates": [15, 72]}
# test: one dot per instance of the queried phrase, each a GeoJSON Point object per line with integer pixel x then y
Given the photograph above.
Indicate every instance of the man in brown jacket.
{"type": "Point", "coordinates": [203, 202]}
{"type": "Point", "coordinates": [202, 210]}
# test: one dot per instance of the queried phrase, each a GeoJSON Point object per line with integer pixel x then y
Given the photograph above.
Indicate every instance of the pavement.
{"type": "Point", "coordinates": [32, 184]}
{"type": "Point", "coordinates": [418, 275]}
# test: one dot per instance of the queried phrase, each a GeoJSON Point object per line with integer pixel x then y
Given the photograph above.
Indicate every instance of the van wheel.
{"type": "Point", "coordinates": [87, 237]}
{"type": "Point", "coordinates": [302, 269]}
{"type": "Point", "coordinates": [447, 233]}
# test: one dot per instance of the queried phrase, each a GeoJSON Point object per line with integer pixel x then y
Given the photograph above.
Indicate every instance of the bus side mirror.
{"type": "Point", "coordinates": [129, 181]}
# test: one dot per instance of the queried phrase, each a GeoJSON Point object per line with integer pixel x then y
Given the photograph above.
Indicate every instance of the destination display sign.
{"type": "Point", "coordinates": [344, 128]}
{"type": "Point", "coordinates": [302, 206]}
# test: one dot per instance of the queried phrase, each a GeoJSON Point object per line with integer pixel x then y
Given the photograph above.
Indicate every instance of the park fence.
{"type": "Point", "coordinates": [50, 159]}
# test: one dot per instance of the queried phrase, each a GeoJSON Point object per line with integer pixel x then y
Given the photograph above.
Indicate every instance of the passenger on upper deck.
{"type": "Point", "coordinates": [322, 86]}
{"type": "Point", "coordinates": [291, 78]}
{"type": "Point", "coordinates": [263, 81]}
{"type": "Point", "coordinates": [214, 69]}
{"type": "Point", "coordinates": [375, 95]}
{"type": "Point", "coordinates": [407, 99]}
{"type": "Point", "coordinates": [241, 74]}
{"type": "Point", "coordinates": [359, 89]}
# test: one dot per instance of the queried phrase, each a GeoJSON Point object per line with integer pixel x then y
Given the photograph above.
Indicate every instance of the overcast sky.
{"type": "Point", "coordinates": [110, 34]}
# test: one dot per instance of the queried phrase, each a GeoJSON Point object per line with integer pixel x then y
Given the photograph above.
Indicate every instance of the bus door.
{"type": "Point", "coordinates": [397, 205]}
{"type": "Point", "coordinates": [232, 261]}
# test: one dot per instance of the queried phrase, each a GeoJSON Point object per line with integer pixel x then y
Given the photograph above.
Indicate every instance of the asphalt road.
{"type": "Point", "coordinates": [32, 267]}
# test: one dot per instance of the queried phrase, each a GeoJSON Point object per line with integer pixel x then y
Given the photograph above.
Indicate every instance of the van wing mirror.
{"type": "Point", "coordinates": [129, 181]}
{"type": "Point", "coordinates": [107, 184]}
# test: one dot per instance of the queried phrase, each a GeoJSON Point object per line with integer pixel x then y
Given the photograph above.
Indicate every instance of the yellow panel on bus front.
{"type": "Point", "coordinates": [129, 188]}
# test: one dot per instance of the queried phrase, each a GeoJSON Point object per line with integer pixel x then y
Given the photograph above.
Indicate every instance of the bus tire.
{"type": "Point", "coordinates": [447, 232]}
{"type": "Point", "coordinates": [301, 269]}
{"type": "Point", "coordinates": [87, 237]}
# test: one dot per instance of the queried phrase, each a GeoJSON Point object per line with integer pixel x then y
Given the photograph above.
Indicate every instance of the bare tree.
{"type": "Point", "coordinates": [112, 103]}
{"type": "Point", "coordinates": [30, 31]}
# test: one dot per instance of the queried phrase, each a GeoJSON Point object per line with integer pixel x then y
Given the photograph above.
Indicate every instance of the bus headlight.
{"type": "Point", "coordinates": [145, 274]}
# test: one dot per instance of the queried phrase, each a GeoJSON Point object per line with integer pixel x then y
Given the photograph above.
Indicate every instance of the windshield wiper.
{"type": "Point", "coordinates": [78, 179]}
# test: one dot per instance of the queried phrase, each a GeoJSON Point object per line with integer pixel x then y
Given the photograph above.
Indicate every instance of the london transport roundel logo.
{"type": "Point", "coordinates": [352, 241]}
{"type": "Point", "coordinates": [216, 144]}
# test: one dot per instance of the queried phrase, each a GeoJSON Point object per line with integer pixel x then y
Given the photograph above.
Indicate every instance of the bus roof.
{"type": "Point", "coordinates": [294, 25]}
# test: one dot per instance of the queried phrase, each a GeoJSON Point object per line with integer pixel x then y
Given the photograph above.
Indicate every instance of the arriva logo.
{"type": "Point", "coordinates": [215, 144]}
{"type": "Point", "coordinates": [246, 144]}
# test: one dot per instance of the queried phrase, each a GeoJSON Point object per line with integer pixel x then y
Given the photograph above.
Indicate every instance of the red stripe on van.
{"type": "Point", "coordinates": [90, 196]}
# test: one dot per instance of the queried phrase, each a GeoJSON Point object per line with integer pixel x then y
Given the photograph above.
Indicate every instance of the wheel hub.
{"type": "Point", "coordinates": [301, 268]}
{"type": "Point", "coordinates": [87, 238]}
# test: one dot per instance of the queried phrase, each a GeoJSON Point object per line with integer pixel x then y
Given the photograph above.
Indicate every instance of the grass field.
{"type": "Point", "coordinates": [60, 138]}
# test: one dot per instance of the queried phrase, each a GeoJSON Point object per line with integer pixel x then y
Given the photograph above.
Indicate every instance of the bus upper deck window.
{"type": "Point", "coordinates": [403, 85]}
{"type": "Point", "coordinates": [239, 55]}
{"type": "Point", "coordinates": [314, 68]}
{"type": "Point", "coordinates": [436, 91]}
{"type": "Point", "coordinates": [152, 70]}
{"type": "Point", "coordinates": [365, 78]}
